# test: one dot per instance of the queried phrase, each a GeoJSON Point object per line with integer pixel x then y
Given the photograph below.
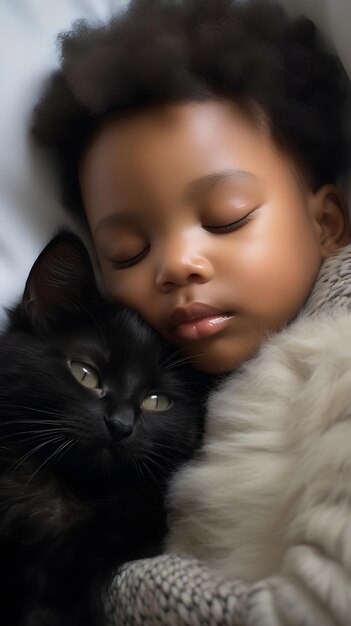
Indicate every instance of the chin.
{"type": "Point", "coordinates": [219, 357]}
{"type": "Point", "coordinates": [214, 363]}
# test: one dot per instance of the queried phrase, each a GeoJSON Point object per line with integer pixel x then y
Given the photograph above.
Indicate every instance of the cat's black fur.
{"type": "Point", "coordinates": [83, 471]}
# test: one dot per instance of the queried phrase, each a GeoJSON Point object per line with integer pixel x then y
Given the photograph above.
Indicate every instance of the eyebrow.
{"type": "Point", "coordinates": [115, 218]}
{"type": "Point", "coordinates": [208, 182]}
{"type": "Point", "coordinates": [194, 189]}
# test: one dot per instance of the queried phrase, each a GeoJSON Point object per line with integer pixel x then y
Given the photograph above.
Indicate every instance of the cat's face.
{"type": "Point", "coordinates": [89, 389]}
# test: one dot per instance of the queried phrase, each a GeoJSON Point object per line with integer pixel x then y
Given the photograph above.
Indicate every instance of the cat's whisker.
{"type": "Point", "coordinates": [171, 356]}
{"type": "Point", "coordinates": [44, 410]}
{"type": "Point", "coordinates": [164, 459]}
{"type": "Point", "coordinates": [33, 435]}
{"type": "Point", "coordinates": [33, 451]}
{"type": "Point", "coordinates": [149, 470]}
{"type": "Point", "coordinates": [139, 469]}
{"type": "Point", "coordinates": [35, 409]}
{"type": "Point", "coordinates": [62, 448]}
{"type": "Point", "coordinates": [170, 448]}
{"type": "Point", "coordinates": [187, 359]}
{"type": "Point", "coordinates": [27, 421]}
{"type": "Point", "coordinates": [180, 361]}
{"type": "Point", "coordinates": [151, 460]}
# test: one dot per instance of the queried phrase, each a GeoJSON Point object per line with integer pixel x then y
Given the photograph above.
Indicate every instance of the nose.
{"type": "Point", "coordinates": [120, 425]}
{"type": "Point", "coordinates": [180, 263]}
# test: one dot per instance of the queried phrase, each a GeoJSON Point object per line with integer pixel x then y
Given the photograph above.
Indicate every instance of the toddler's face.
{"type": "Point", "coordinates": [201, 225]}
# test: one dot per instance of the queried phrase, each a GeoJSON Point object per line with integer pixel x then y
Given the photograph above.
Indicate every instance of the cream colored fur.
{"type": "Point", "coordinates": [269, 496]}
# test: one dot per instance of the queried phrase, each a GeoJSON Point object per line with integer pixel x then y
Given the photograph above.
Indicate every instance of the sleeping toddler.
{"type": "Point", "coordinates": [201, 142]}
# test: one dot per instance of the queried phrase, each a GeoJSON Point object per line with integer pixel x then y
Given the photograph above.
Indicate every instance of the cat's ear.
{"type": "Point", "coordinates": [61, 280]}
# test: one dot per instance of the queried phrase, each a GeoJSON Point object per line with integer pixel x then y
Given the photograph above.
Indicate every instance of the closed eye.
{"type": "Point", "coordinates": [228, 228]}
{"type": "Point", "coordinates": [131, 261]}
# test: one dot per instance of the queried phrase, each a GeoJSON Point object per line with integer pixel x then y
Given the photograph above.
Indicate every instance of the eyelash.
{"type": "Point", "coordinates": [118, 265]}
{"type": "Point", "coordinates": [227, 228]}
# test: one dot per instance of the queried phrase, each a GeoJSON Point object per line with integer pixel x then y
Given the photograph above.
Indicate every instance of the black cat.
{"type": "Point", "coordinates": [96, 412]}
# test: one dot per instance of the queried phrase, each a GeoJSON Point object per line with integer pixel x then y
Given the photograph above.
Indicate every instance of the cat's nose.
{"type": "Point", "coordinates": [118, 428]}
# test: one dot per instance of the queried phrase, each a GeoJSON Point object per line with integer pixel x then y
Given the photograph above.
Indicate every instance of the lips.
{"type": "Point", "coordinates": [191, 312]}
{"type": "Point", "coordinates": [197, 320]}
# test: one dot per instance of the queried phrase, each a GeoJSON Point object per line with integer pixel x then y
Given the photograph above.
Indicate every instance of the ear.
{"type": "Point", "coordinates": [60, 282]}
{"type": "Point", "coordinates": [331, 215]}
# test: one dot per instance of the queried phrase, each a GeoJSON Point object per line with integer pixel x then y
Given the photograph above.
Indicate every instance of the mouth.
{"type": "Point", "coordinates": [196, 321]}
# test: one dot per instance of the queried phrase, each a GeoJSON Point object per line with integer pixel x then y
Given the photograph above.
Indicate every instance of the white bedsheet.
{"type": "Point", "coordinates": [30, 210]}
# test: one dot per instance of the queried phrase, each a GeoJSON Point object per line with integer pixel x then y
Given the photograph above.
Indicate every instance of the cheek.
{"type": "Point", "coordinates": [131, 289]}
{"type": "Point", "coordinates": [271, 265]}
{"type": "Point", "coordinates": [282, 263]}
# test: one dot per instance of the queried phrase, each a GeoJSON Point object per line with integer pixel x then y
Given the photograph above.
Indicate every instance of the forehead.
{"type": "Point", "coordinates": [166, 132]}
{"type": "Point", "coordinates": [152, 156]}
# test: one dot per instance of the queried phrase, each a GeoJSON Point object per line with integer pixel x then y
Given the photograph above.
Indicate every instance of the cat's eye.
{"type": "Point", "coordinates": [156, 402]}
{"type": "Point", "coordinates": [85, 374]}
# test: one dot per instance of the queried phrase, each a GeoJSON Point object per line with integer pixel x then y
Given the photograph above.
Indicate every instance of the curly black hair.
{"type": "Point", "coordinates": [172, 51]}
